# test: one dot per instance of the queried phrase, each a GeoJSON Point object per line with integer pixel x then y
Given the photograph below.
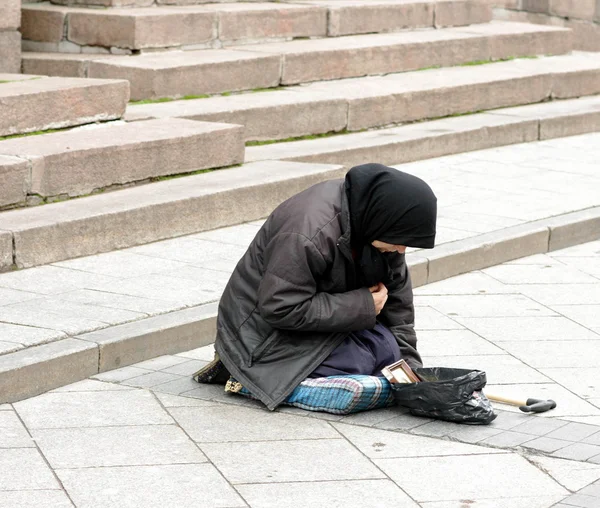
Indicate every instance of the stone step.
{"type": "Point", "coordinates": [349, 17]}
{"type": "Point", "coordinates": [156, 211]}
{"type": "Point", "coordinates": [176, 74]}
{"type": "Point", "coordinates": [10, 38]}
{"type": "Point", "coordinates": [81, 161]}
{"type": "Point", "coordinates": [53, 28]}
{"type": "Point", "coordinates": [37, 103]}
{"type": "Point", "coordinates": [359, 103]}
{"type": "Point", "coordinates": [442, 137]}
{"type": "Point", "coordinates": [105, 222]}
{"type": "Point", "coordinates": [49, 27]}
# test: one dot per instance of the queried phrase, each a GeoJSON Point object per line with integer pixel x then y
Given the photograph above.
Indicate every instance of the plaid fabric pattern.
{"type": "Point", "coordinates": [336, 394]}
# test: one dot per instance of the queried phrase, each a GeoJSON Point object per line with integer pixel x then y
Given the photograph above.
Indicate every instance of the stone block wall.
{"type": "Point", "coordinates": [581, 16]}
{"type": "Point", "coordinates": [10, 38]}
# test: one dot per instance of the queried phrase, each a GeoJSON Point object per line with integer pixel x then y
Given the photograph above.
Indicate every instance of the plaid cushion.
{"type": "Point", "coordinates": [335, 394]}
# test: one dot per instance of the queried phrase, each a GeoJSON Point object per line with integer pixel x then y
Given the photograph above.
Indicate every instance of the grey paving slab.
{"type": "Point", "coordinates": [179, 291]}
{"type": "Point", "coordinates": [12, 432]}
{"type": "Point", "coordinates": [560, 294]}
{"type": "Point", "coordinates": [592, 490]}
{"type": "Point", "coordinates": [546, 444]}
{"type": "Point", "coordinates": [31, 317]}
{"type": "Point", "coordinates": [290, 461]}
{"type": "Point", "coordinates": [539, 274]}
{"type": "Point", "coordinates": [593, 439]}
{"type": "Point", "coordinates": [375, 444]}
{"type": "Point", "coordinates": [569, 404]}
{"type": "Point", "coordinates": [141, 445]}
{"type": "Point", "coordinates": [474, 436]}
{"type": "Point", "coordinates": [78, 310]}
{"type": "Point", "coordinates": [185, 368]}
{"type": "Point", "coordinates": [537, 259]}
{"type": "Point", "coordinates": [160, 362]}
{"type": "Point", "coordinates": [25, 469]}
{"type": "Point", "coordinates": [574, 431]}
{"type": "Point", "coordinates": [586, 315]}
{"type": "Point", "coordinates": [573, 475]}
{"type": "Point", "coordinates": [34, 498]}
{"type": "Point", "coordinates": [120, 264]}
{"type": "Point", "coordinates": [9, 347]}
{"type": "Point", "coordinates": [529, 502]}
{"type": "Point", "coordinates": [296, 411]}
{"type": "Point", "coordinates": [466, 306]}
{"type": "Point", "coordinates": [403, 422]}
{"type": "Point", "coordinates": [50, 280]}
{"type": "Point", "coordinates": [170, 401]}
{"type": "Point", "coordinates": [582, 250]}
{"type": "Point", "coordinates": [589, 265]}
{"type": "Point", "coordinates": [191, 250]}
{"type": "Point", "coordinates": [205, 425]}
{"type": "Point", "coordinates": [507, 420]}
{"type": "Point", "coordinates": [455, 342]}
{"type": "Point", "coordinates": [338, 494]}
{"type": "Point", "coordinates": [205, 353]}
{"type": "Point", "coordinates": [444, 476]}
{"type": "Point", "coordinates": [528, 328]}
{"type": "Point", "coordinates": [542, 354]}
{"type": "Point", "coordinates": [466, 284]}
{"type": "Point", "coordinates": [122, 374]}
{"type": "Point", "coordinates": [240, 235]}
{"type": "Point", "coordinates": [370, 418]}
{"type": "Point", "coordinates": [91, 409]}
{"type": "Point", "coordinates": [581, 501]}
{"type": "Point", "coordinates": [212, 278]}
{"type": "Point", "coordinates": [578, 451]}
{"type": "Point", "coordinates": [427, 318]}
{"type": "Point", "coordinates": [540, 426]}
{"type": "Point", "coordinates": [8, 296]}
{"type": "Point", "coordinates": [500, 369]}
{"type": "Point", "coordinates": [150, 379]}
{"type": "Point", "coordinates": [149, 306]}
{"type": "Point", "coordinates": [156, 487]}
{"type": "Point", "coordinates": [507, 439]}
{"type": "Point", "coordinates": [91, 385]}
{"type": "Point", "coordinates": [184, 385]}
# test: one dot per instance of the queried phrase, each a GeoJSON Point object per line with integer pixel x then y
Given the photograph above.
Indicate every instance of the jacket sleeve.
{"type": "Point", "coordinates": [288, 297]}
{"type": "Point", "coordinates": [398, 314]}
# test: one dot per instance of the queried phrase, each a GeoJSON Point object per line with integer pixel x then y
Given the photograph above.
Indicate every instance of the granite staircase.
{"type": "Point", "coordinates": [136, 121]}
{"type": "Point", "coordinates": [282, 94]}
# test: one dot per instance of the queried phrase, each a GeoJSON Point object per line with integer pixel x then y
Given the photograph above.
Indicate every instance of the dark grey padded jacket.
{"type": "Point", "coordinates": [294, 297]}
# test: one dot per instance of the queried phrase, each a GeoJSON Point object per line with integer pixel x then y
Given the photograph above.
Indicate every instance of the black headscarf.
{"type": "Point", "coordinates": [390, 206]}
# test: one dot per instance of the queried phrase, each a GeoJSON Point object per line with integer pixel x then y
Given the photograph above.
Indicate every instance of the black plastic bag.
{"type": "Point", "coordinates": [447, 394]}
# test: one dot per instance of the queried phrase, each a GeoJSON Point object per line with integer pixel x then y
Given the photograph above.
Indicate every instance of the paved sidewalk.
{"type": "Point", "coordinates": [478, 192]}
{"type": "Point", "coordinates": [148, 436]}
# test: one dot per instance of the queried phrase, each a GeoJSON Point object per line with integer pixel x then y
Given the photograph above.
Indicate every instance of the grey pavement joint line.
{"type": "Point", "coordinates": [197, 445]}
{"type": "Point", "coordinates": [372, 463]}
{"type": "Point", "coordinates": [530, 366]}
{"type": "Point", "coordinates": [39, 450]}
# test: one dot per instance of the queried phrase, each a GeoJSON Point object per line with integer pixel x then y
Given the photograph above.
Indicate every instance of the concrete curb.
{"type": "Point", "coordinates": [38, 369]}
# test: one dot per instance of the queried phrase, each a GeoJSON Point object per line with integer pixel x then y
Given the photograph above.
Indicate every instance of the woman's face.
{"type": "Point", "coordinates": [388, 247]}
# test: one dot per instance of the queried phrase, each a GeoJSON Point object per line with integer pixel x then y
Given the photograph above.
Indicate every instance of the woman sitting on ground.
{"type": "Point", "coordinates": [323, 289]}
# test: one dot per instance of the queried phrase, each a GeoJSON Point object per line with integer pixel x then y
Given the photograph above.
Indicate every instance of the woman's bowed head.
{"type": "Point", "coordinates": [323, 289]}
{"type": "Point", "coordinates": [390, 211]}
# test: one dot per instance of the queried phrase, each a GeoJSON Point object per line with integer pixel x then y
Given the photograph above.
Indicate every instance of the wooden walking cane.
{"type": "Point", "coordinates": [527, 406]}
